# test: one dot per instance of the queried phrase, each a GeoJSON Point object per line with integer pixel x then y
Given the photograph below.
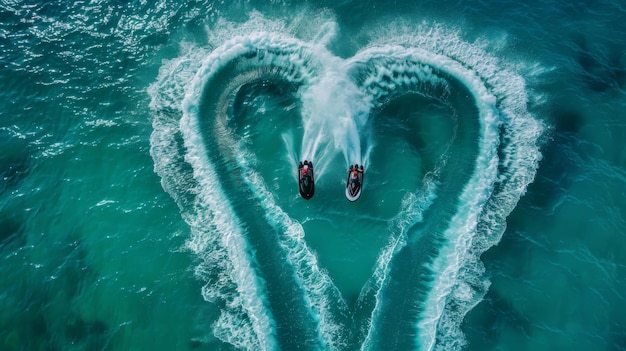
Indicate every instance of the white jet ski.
{"type": "Point", "coordinates": [354, 183]}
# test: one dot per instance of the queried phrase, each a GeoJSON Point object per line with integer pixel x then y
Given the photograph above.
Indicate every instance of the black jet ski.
{"type": "Point", "coordinates": [305, 179]}
{"type": "Point", "coordinates": [354, 183]}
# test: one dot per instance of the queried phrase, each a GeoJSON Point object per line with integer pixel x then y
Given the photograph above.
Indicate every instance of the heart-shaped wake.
{"type": "Point", "coordinates": [448, 147]}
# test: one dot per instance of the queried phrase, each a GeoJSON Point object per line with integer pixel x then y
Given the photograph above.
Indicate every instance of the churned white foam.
{"type": "Point", "coordinates": [495, 187]}
{"type": "Point", "coordinates": [335, 112]}
{"type": "Point", "coordinates": [475, 193]}
{"type": "Point", "coordinates": [412, 211]}
{"type": "Point", "coordinates": [216, 236]}
{"type": "Point", "coordinates": [321, 294]}
{"type": "Point", "coordinates": [496, 184]}
{"type": "Point", "coordinates": [480, 185]}
{"type": "Point", "coordinates": [213, 211]}
{"type": "Point", "coordinates": [276, 51]}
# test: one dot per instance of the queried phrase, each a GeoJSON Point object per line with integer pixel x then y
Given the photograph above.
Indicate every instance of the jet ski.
{"type": "Point", "coordinates": [305, 179]}
{"type": "Point", "coordinates": [354, 183]}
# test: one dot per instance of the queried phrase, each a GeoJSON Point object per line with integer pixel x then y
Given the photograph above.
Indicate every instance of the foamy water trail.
{"type": "Point", "coordinates": [322, 296]}
{"type": "Point", "coordinates": [413, 207]}
{"type": "Point", "coordinates": [459, 284]}
{"type": "Point", "coordinates": [216, 236]}
{"type": "Point", "coordinates": [338, 96]}
{"type": "Point", "coordinates": [382, 76]}
{"type": "Point", "coordinates": [335, 112]}
{"type": "Point", "coordinates": [493, 191]}
{"type": "Point", "coordinates": [478, 189]}
{"type": "Point", "coordinates": [318, 287]}
{"type": "Point", "coordinates": [341, 108]}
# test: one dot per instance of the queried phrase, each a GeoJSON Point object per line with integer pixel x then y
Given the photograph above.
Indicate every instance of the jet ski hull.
{"type": "Point", "coordinates": [353, 194]}
{"type": "Point", "coordinates": [306, 182]}
{"type": "Point", "coordinates": [353, 188]}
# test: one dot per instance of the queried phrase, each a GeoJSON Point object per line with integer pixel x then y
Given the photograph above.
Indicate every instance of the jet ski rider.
{"type": "Point", "coordinates": [354, 172]}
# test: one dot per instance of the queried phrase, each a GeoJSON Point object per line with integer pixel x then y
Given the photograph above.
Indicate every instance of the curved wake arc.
{"type": "Point", "coordinates": [339, 101]}
{"type": "Point", "coordinates": [280, 55]}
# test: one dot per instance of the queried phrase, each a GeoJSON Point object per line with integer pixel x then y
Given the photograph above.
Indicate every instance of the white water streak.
{"type": "Point", "coordinates": [334, 110]}
{"type": "Point", "coordinates": [216, 235]}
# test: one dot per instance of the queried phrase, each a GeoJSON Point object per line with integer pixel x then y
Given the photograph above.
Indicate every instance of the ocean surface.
{"type": "Point", "coordinates": [148, 175]}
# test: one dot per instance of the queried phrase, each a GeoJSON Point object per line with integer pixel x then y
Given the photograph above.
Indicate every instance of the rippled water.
{"type": "Point", "coordinates": [149, 191]}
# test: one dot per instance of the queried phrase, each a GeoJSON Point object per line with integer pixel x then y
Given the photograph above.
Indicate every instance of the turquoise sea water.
{"type": "Point", "coordinates": [148, 189]}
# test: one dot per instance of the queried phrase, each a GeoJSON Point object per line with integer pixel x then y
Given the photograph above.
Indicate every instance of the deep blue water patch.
{"type": "Point", "coordinates": [603, 67]}
{"type": "Point", "coordinates": [11, 232]}
{"type": "Point", "coordinates": [560, 164]}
